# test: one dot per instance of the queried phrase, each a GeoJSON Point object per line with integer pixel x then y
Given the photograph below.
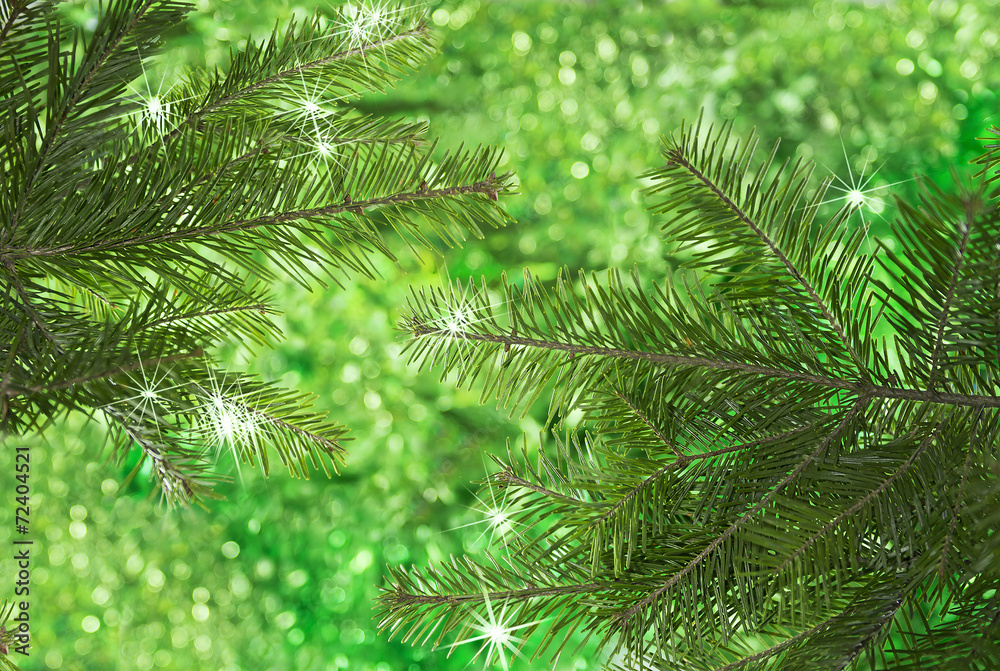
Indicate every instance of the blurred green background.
{"type": "Point", "coordinates": [282, 575]}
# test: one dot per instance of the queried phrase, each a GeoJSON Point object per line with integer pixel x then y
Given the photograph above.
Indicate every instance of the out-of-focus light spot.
{"type": "Point", "coordinates": [930, 65]}
{"type": "Point", "coordinates": [904, 66]}
{"type": "Point", "coordinates": [90, 624]}
{"type": "Point", "coordinates": [522, 42]}
{"type": "Point", "coordinates": [546, 101]}
{"type": "Point", "coordinates": [580, 170]}
{"type": "Point", "coordinates": [543, 204]}
{"type": "Point", "coordinates": [928, 92]}
{"type": "Point", "coordinates": [607, 50]}
{"type": "Point", "coordinates": [155, 579]}
{"type": "Point", "coordinates": [264, 568]}
{"type": "Point", "coordinates": [640, 67]}
{"type": "Point", "coordinates": [77, 530]}
{"type": "Point", "coordinates": [359, 345]}
{"type": "Point", "coordinates": [350, 373]}
{"type": "Point", "coordinates": [200, 612]}
{"type": "Point", "coordinates": [100, 595]}
{"type": "Point", "coordinates": [230, 549]}
{"type": "Point", "coordinates": [969, 69]}
{"type": "Point", "coordinates": [361, 561]}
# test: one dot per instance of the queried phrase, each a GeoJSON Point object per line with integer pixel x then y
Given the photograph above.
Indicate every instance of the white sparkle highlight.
{"type": "Point", "coordinates": [370, 23]}
{"type": "Point", "coordinates": [156, 111]}
{"type": "Point", "coordinates": [856, 192]}
{"type": "Point", "coordinates": [496, 632]}
{"type": "Point", "coordinates": [230, 420]}
{"type": "Point", "coordinates": [495, 515]}
{"type": "Point", "coordinates": [149, 400]}
{"type": "Point", "coordinates": [458, 314]}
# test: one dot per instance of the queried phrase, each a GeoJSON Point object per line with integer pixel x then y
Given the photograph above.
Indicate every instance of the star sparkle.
{"type": "Point", "coordinates": [496, 515]}
{"type": "Point", "coordinates": [496, 632]}
{"type": "Point", "coordinates": [858, 193]}
{"type": "Point", "coordinates": [230, 419]}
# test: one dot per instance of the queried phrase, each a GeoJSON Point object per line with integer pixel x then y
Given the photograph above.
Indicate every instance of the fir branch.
{"type": "Point", "coordinates": [180, 475]}
{"type": "Point", "coordinates": [401, 598]}
{"type": "Point", "coordinates": [949, 296]}
{"type": "Point", "coordinates": [955, 509]}
{"type": "Point", "coordinates": [259, 308]}
{"type": "Point", "coordinates": [100, 375]}
{"type": "Point", "coordinates": [861, 503]}
{"type": "Point", "coordinates": [677, 157]}
{"type": "Point", "coordinates": [644, 418]}
{"type": "Point", "coordinates": [622, 619]}
{"type": "Point", "coordinates": [420, 31]}
{"type": "Point", "coordinates": [418, 328]}
{"type": "Point", "coordinates": [330, 446]}
{"type": "Point", "coordinates": [681, 462]}
{"type": "Point", "coordinates": [66, 107]}
{"type": "Point", "coordinates": [486, 187]}
{"type": "Point", "coordinates": [507, 477]}
{"type": "Point", "coordinates": [777, 648]}
{"type": "Point", "coordinates": [28, 304]}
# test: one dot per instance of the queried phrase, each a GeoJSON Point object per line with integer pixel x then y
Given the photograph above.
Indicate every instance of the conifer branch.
{"type": "Point", "coordinates": [841, 487]}
{"type": "Point", "coordinates": [67, 106]}
{"type": "Point", "coordinates": [949, 296]}
{"type": "Point", "coordinates": [402, 598]}
{"type": "Point", "coordinates": [418, 31]}
{"type": "Point", "coordinates": [645, 420]}
{"type": "Point", "coordinates": [508, 478]}
{"type": "Point", "coordinates": [260, 308]}
{"type": "Point", "coordinates": [677, 157]}
{"type": "Point", "coordinates": [331, 447]}
{"type": "Point", "coordinates": [779, 647]}
{"type": "Point", "coordinates": [861, 503]}
{"type": "Point", "coordinates": [623, 618]}
{"type": "Point", "coordinates": [419, 329]}
{"type": "Point", "coordinates": [776, 438]}
{"type": "Point", "coordinates": [190, 234]}
{"type": "Point", "coordinates": [28, 304]}
{"type": "Point", "coordinates": [681, 462]}
{"type": "Point", "coordinates": [955, 509]}
{"type": "Point", "coordinates": [13, 391]}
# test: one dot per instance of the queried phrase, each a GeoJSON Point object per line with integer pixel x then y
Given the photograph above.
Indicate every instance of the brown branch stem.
{"type": "Point", "coordinates": [188, 234]}
{"type": "Point", "coordinates": [155, 361]}
{"type": "Point", "coordinates": [862, 389]}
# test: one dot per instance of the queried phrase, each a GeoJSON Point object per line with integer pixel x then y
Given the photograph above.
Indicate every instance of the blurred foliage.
{"type": "Point", "coordinates": [282, 575]}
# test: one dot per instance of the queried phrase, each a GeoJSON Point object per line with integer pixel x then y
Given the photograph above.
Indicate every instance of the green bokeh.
{"type": "Point", "coordinates": [282, 574]}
